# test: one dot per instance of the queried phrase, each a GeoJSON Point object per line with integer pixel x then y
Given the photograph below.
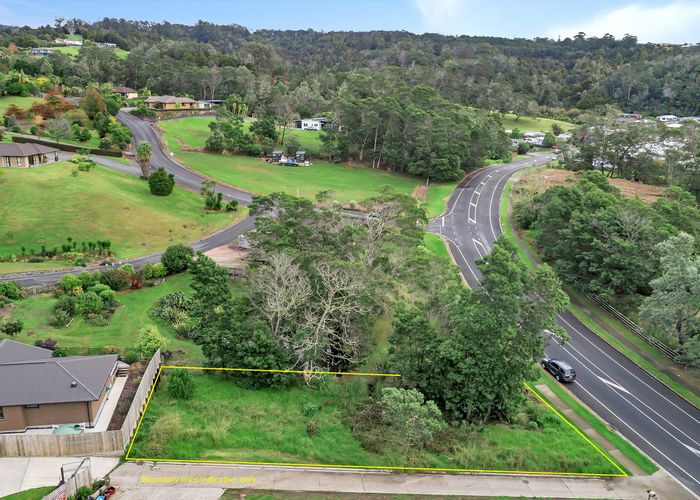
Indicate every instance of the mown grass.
{"type": "Point", "coordinates": [586, 320]}
{"type": "Point", "coordinates": [526, 123]}
{"type": "Point", "coordinates": [31, 494]}
{"type": "Point", "coordinates": [19, 101]}
{"type": "Point", "coordinates": [73, 51]}
{"type": "Point", "coordinates": [226, 422]}
{"type": "Point", "coordinates": [349, 183]}
{"type": "Point", "coordinates": [629, 450]}
{"type": "Point", "coordinates": [122, 331]}
{"type": "Point", "coordinates": [45, 205]}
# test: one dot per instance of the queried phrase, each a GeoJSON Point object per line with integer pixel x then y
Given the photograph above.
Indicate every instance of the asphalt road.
{"type": "Point", "coordinates": [646, 412]}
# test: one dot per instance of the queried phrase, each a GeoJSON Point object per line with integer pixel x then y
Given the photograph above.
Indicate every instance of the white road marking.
{"type": "Point", "coordinates": [694, 450]}
{"type": "Point", "coordinates": [478, 282]}
{"type": "Point", "coordinates": [613, 384]}
{"type": "Point", "coordinates": [478, 244]}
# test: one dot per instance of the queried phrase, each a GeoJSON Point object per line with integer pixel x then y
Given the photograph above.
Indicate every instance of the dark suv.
{"type": "Point", "coordinates": [561, 370]}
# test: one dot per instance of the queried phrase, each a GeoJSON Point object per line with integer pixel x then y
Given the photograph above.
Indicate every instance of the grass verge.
{"type": "Point", "coordinates": [629, 450]}
{"type": "Point", "coordinates": [31, 494]}
{"type": "Point", "coordinates": [585, 319]}
{"type": "Point", "coordinates": [436, 245]}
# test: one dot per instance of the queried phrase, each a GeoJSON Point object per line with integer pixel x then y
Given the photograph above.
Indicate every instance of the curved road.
{"type": "Point", "coordinates": [646, 412]}
{"type": "Point", "coordinates": [142, 130]}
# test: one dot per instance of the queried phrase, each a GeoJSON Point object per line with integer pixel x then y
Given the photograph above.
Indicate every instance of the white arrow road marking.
{"type": "Point", "coordinates": [613, 384]}
{"type": "Point", "coordinates": [694, 450]}
{"type": "Point", "coordinates": [478, 244]}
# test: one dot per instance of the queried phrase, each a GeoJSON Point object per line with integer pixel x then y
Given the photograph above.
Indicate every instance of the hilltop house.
{"type": "Point", "coordinates": [667, 118]}
{"type": "Point", "coordinates": [126, 92]}
{"type": "Point", "coordinates": [169, 102]}
{"type": "Point", "coordinates": [68, 41]}
{"type": "Point", "coordinates": [25, 155]}
{"type": "Point", "coordinates": [38, 391]}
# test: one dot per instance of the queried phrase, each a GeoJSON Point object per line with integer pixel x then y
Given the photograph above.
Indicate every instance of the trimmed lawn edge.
{"type": "Point", "coordinates": [624, 446]}
{"type": "Point", "coordinates": [610, 339]}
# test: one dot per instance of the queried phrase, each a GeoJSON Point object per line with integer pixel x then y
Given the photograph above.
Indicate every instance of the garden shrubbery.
{"type": "Point", "coordinates": [161, 183]}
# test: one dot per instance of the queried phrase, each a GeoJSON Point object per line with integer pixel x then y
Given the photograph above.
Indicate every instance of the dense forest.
{"type": "Point", "coordinates": [525, 76]}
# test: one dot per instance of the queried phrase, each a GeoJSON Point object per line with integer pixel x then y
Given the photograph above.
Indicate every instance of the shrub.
{"type": "Point", "coordinates": [47, 343]}
{"type": "Point", "coordinates": [89, 303]}
{"type": "Point", "coordinates": [12, 327]}
{"type": "Point", "coordinates": [180, 384]}
{"type": "Point", "coordinates": [112, 349]}
{"type": "Point", "coordinates": [116, 279]}
{"type": "Point", "coordinates": [60, 352]}
{"type": "Point", "coordinates": [149, 341]}
{"type": "Point", "coordinates": [177, 258]}
{"type": "Point", "coordinates": [65, 303]}
{"type": "Point", "coordinates": [153, 271]}
{"type": "Point", "coordinates": [523, 148]}
{"type": "Point", "coordinates": [161, 183]}
{"type": "Point", "coordinates": [11, 290]}
{"type": "Point", "coordinates": [232, 206]}
{"type": "Point", "coordinates": [88, 279]}
{"type": "Point", "coordinates": [128, 268]}
{"type": "Point", "coordinates": [98, 288]}
{"type": "Point", "coordinates": [410, 416]}
{"type": "Point", "coordinates": [61, 318]}
{"type": "Point", "coordinates": [170, 306]}
{"type": "Point", "coordinates": [71, 284]}
{"type": "Point", "coordinates": [109, 297]}
{"type": "Point", "coordinates": [130, 357]}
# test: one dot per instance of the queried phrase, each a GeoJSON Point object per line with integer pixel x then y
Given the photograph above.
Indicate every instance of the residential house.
{"type": "Point", "coordinates": [68, 41]}
{"type": "Point", "coordinates": [38, 391]}
{"type": "Point", "coordinates": [667, 118]}
{"type": "Point", "coordinates": [106, 45]}
{"type": "Point", "coordinates": [169, 102]}
{"type": "Point", "coordinates": [15, 154]}
{"type": "Point", "coordinates": [126, 92]}
{"type": "Point", "coordinates": [628, 117]}
{"type": "Point", "coordinates": [41, 51]}
{"type": "Point", "coordinates": [312, 123]}
{"type": "Point", "coordinates": [534, 138]}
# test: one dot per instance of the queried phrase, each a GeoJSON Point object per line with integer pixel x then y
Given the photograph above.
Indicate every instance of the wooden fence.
{"type": "Point", "coordinates": [66, 147]}
{"type": "Point", "coordinates": [81, 476]}
{"type": "Point", "coordinates": [88, 443]}
{"type": "Point", "coordinates": [633, 327]}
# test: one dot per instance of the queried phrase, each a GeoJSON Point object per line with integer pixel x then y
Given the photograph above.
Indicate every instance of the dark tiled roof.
{"type": "Point", "coordinates": [44, 380]}
{"type": "Point", "coordinates": [11, 350]}
{"type": "Point", "coordinates": [24, 149]}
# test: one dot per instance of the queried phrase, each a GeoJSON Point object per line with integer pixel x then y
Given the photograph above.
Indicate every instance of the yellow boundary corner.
{"type": "Point", "coordinates": [128, 457]}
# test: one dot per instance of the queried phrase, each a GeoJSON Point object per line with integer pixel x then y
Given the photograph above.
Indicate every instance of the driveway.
{"type": "Point", "coordinates": [23, 473]}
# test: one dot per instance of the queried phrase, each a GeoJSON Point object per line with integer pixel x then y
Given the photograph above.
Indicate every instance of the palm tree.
{"type": "Point", "coordinates": [143, 156]}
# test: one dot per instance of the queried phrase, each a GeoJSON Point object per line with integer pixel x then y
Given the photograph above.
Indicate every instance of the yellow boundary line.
{"type": "Point", "coordinates": [128, 458]}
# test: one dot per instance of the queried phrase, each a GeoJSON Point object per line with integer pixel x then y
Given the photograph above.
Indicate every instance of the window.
{"type": "Point", "coordinates": [7, 161]}
{"type": "Point", "coordinates": [2, 415]}
{"type": "Point", "coordinates": [19, 161]}
{"type": "Point", "coordinates": [31, 406]}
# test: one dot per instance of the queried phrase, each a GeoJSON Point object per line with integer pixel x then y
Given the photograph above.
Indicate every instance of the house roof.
{"type": "Point", "coordinates": [123, 90]}
{"type": "Point", "coordinates": [169, 99]}
{"type": "Point", "coordinates": [24, 149]}
{"type": "Point", "coordinates": [45, 380]}
{"type": "Point", "coordinates": [11, 350]}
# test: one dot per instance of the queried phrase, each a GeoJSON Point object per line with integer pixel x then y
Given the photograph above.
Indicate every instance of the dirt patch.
{"type": "Point", "coordinates": [419, 192]}
{"type": "Point", "coordinates": [539, 180]}
{"type": "Point", "coordinates": [228, 256]}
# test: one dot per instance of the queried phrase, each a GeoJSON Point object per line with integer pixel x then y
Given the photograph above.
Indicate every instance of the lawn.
{"type": "Point", "coordinates": [21, 102]}
{"type": "Point", "coordinates": [526, 123]}
{"type": "Point", "coordinates": [349, 183]}
{"type": "Point", "coordinates": [74, 51]}
{"type": "Point", "coordinates": [228, 423]}
{"type": "Point", "coordinates": [122, 331]}
{"type": "Point", "coordinates": [46, 205]}
{"type": "Point", "coordinates": [31, 494]}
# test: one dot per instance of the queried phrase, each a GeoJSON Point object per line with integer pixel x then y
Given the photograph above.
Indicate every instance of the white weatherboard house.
{"type": "Point", "coordinates": [535, 138]}
{"type": "Point", "coordinates": [667, 118]}
{"type": "Point", "coordinates": [311, 123]}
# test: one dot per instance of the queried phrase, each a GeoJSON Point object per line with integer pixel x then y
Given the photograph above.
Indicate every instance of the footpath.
{"type": "Point", "coordinates": [141, 480]}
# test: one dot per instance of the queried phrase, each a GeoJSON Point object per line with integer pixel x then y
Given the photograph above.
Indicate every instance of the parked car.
{"type": "Point", "coordinates": [561, 370]}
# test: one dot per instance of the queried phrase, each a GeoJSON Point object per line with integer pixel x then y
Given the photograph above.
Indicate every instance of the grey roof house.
{"type": "Point", "coordinates": [37, 390]}
{"type": "Point", "coordinates": [25, 155]}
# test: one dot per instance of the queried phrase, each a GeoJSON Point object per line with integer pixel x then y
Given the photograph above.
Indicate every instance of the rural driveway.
{"type": "Point", "coordinates": [154, 480]}
{"type": "Point", "coordinates": [23, 473]}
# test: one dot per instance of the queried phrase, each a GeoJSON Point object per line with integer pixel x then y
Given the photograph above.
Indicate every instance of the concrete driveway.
{"type": "Point", "coordinates": [23, 473]}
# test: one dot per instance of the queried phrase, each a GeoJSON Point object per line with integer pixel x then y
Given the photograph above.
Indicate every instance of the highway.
{"type": "Point", "coordinates": [646, 412]}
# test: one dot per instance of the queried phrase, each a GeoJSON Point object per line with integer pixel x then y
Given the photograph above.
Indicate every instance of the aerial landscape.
{"type": "Point", "coordinates": [396, 249]}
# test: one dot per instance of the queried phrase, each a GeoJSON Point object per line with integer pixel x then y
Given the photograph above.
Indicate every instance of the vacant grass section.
{"type": "Point", "coordinates": [526, 123]}
{"type": "Point", "coordinates": [19, 101]}
{"type": "Point", "coordinates": [122, 331]}
{"type": "Point", "coordinates": [226, 422]}
{"type": "Point", "coordinates": [45, 205]}
{"type": "Point", "coordinates": [349, 183]}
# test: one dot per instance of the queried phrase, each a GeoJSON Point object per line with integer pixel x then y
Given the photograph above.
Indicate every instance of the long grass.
{"type": "Point", "coordinates": [226, 422]}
